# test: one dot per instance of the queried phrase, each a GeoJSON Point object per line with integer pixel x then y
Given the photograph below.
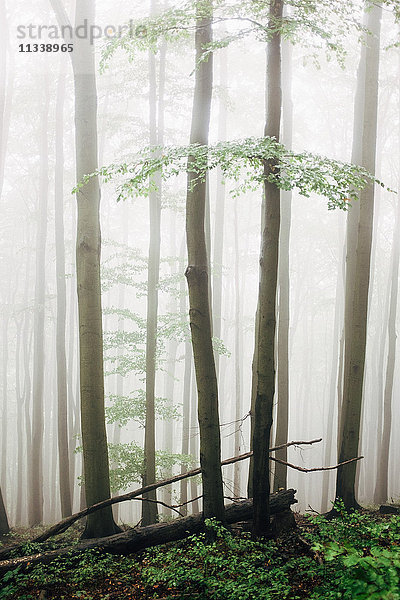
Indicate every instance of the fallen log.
{"type": "Point", "coordinates": [63, 525]}
{"type": "Point", "coordinates": [137, 539]}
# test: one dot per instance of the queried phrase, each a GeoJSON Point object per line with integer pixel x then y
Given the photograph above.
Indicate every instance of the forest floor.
{"type": "Point", "coordinates": [355, 556]}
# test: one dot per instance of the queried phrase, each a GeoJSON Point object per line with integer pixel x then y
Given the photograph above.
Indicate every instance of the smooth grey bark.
{"type": "Point", "coordinates": [383, 459]}
{"type": "Point", "coordinates": [198, 284]}
{"type": "Point", "coordinates": [266, 317]}
{"type": "Point", "coordinates": [220, 211]}
{"type": "Point", "coordinates": [238, 345]}
{"type": "Point", "coordinates": [20, 415]}
{"type": "Point", "coordinates": [149, 509]}
{"type": "Point", "coordinates": [194, 441]}
{"type": "Point", "coordinates": [4, 526]}
{"type": "Point", "coordinates": [356, 319]}
{"type": "Point", "coordinates": [4, 412]}
{"type": "Point", "coordinates": [186, 422]}
{"type": "Point", "coordinates": [61, 360]}
{"type": "Point", "coordinates": [35, 508]}
{"type": "Point", "coordinates": [172, 349]}
{"type": "Point", "coordinates": [334, 377]}
{"type": "Point", "coordinates": [88, 250]}
{"type": "Point", "coordinates": [282, 413]}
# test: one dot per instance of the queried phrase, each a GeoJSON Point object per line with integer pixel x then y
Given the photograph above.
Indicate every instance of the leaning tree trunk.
{"type": "Point", "coordinates": [356, 320]}
{"type": "Point", "coordinates": [197, 278]}
{"type": "Point", "coordinates": [266, 317]}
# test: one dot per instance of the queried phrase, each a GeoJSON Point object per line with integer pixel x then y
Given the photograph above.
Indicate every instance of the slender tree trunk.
{"type": "Point", "coordinates": [282, 415]}
{"type": "Point", "coordinates": [88, 248]}
{"type": "Point", "coordinates": [197, 278]}
{"type": "Point", "coordinates": [62, 395]}
{"type": "Point", "coordinates": [4, 412]}
{"type": "Point", "coordinates": [220, 209]}
{"type": "Point", "coordinates": [238, 354]}
{"type": "Point", "coordinates": [329, 451]}
{"type": "Point", "coordinates": [73, 394]}
{"type": "Point", "coordinates": [356, 340]}
{"type": "Point", "coordinates": [4, 526]}
{"type": "Point", "coordinates": [265, 361]}
{"type": "Point", "coordinates": [36, 457]}
{"type": "Point", "coordinates": [383, 463]}
{"type": "Point", "coordinates": [194, 443]}
{"type": "Point", "coordinates": [20, 432]}
{"type": "Point", "coordinates": [149, 509]}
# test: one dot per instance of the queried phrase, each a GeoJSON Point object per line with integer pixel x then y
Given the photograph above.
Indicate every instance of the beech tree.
{"type": "Point", "coordinates": [266, 309]}
{"type": "Point", "coordinates": [198, 284]}
{"type": "Point", "coordinates": [356, 305]}
{"type": "Point", "coordinates": [88, 249]}
{"type": "Point", "coordinates": [4, 526]}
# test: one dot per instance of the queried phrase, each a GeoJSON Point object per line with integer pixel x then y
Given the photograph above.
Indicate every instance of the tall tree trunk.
{"type": "Point", "coordinates": [357, 319]}
{"type": "Point", "coordinates": [36, 458]}
{"type": "Point", "coordinates": [383, 462]}
{"type": "Point", "coordinates": [329, 451]}
{"type": "Point", "coordinates": [88, 249]}
{"type": "Point", "coordinates": [265, 387]}
{"type": "Point", "coordinates": [282, 414]}
{"type": "Point", "coordinates": [187, 407]}
{"type": "Point", "coordinates": [149, 509]}
{"type": "Point", "coordinates": [238, 354]}
{"type": "Point", "coordinates": [197, 278]}
{"type": "Point", "coordinates": [4, 412]}
{"type": "Point", "coordinates": [20, 435]}
{"type": "Point", "coordinates": [62, 395]}
{"type": "Point", "coordinates": [4, 526]}
{"type": "Point", "coordinates": [220, 209]}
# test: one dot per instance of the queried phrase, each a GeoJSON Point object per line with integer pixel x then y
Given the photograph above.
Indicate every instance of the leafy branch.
{"type": "Point", "coordinates": [241, 161]}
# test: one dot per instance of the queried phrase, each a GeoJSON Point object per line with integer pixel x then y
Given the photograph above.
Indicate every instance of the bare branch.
{"type": "Point", "coordinates": [68, 521]}
{"type": "Point", "coordinates": [304, 470]}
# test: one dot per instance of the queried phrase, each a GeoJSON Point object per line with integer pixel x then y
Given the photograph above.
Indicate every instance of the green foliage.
{"type": "Point", "coordinates": [229, 567]}
{"type": "Point", "coordinates": [79, 571]}
{"type": "Point", "coordinates": [127, 462]}
{"type": "Point", "coordinates": [362, 555]}
{"type": "Point", "coordinates": [311, 23]}
{"type": "Point", "coordinates": [243, 162]}
{"type": "Point", "coordinates": [220, 565]}
{"type": "Point", "coordinates": [124, 409]}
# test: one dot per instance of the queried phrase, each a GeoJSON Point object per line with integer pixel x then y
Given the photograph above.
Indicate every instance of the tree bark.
{"type": "Point", "coordinates": [4, 526]}
{"type": "Point", "coordinates": [62, 395]}
{"type": "Point", "coordinates": [197, 279]}
{"type": "Point", "coordinates": [88, 248]}
{"type": "Point", "coordinates": [220, 210]}
{"type": "Point", "coordinates": [282, 413]}
{"type": "Point", "coordinates": [35, 508]}
{"type": "Point", "coordinates": [383, 460]}
{"type": "Point", "coordinates": [266, 318]}
{"type": "Point", "coordinates": [357, 319]}
{"type": "Point", "coordinates": [149, 509]}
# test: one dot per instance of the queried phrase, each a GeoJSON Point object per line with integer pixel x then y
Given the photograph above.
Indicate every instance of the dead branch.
{"type": "Point", "coordinates": [304, 470]}
{"type": "Point", "coordinates": [138, 539]}
{"type": "Point", "coordinates": [63, 525]}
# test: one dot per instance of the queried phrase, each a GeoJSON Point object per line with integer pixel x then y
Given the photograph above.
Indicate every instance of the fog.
{"type": "Point", "coordinates": [37, 152]}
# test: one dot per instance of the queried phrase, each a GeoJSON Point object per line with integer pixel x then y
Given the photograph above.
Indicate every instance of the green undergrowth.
{"type": "Point", "coordinates": [355, 555]}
